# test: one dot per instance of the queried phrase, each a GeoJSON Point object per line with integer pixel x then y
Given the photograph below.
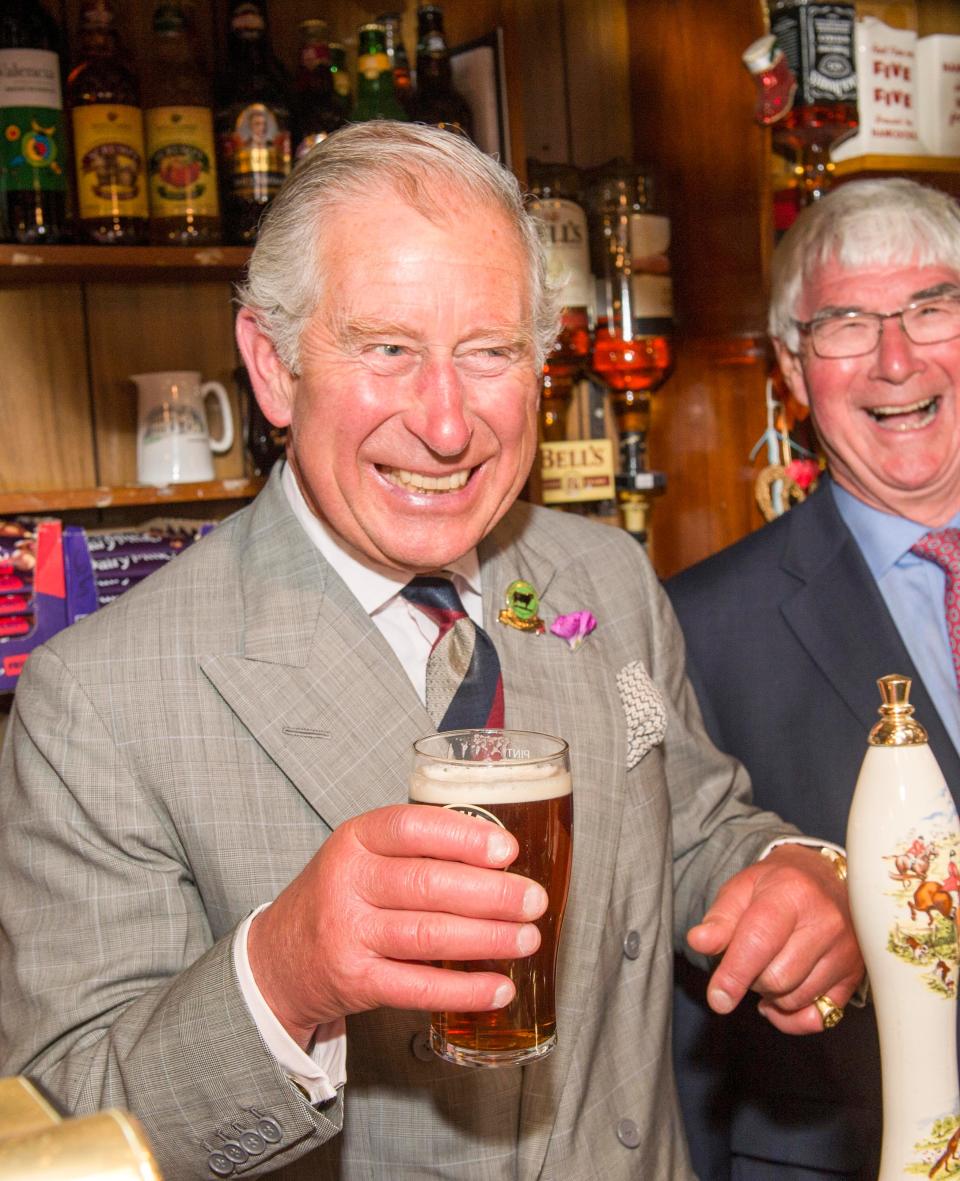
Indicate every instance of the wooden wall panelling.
{"type": "Point", "coordinates": [598, 80]}
{"type": "Point", "coordinates": [181, 326]}
{"type": "Point", "coordinates": [693, 118]}
{"type": "Point", "coordinates": [47, 441]}
{"type": "Point", "coordinates": [704, 424]}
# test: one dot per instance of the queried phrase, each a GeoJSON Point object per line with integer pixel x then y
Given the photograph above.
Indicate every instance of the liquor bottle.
{"type": "Point", "coordinates": [819, 42]}
{"type": "Point", "coordinates": [902, 841]}
{"type": "Point", "coordinates": [397, 53]}
{"type": "Point", "coordinates": [341, 75]}
{"type": "Point", "coordinates": [181, 155]}
{"type": "Point", "coordinates": [436, 101]}
{"type": "Point", "coordinates": [252, 123]}
{"type": "Point", "coordinates": [317, 107]}
{"type": "Point", "coordinates": [376, 98]}
{"type": "Point", "coordinates": [33, 157]}
{"type": "Point", "coordinates": [632, 348]}
{"type": "Point", "coordinates": [108, 146]}
{"type": "Point", "coordinates": [557, 206]}
{"type": "Point", "coordinates": [632, 345]}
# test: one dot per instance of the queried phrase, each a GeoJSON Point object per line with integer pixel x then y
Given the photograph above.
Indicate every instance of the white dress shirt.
{"type": "Point", "coordinates": [411, 634]}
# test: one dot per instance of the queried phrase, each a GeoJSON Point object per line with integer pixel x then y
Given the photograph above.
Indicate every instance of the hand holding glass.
{"type": "Point", "coordinates": [520, 781]}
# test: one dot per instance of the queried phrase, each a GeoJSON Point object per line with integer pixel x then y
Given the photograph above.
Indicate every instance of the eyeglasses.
{"type": "Point", "coordinates": [855, 334]}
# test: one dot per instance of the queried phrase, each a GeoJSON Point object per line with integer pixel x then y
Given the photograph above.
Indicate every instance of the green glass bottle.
{"type": "Point", "coordinates": [376, 97]}
{"type": "Point", "coordinates": [33, 155]}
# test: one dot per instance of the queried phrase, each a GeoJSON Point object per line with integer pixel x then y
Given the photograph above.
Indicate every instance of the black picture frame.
{"type": "Point", "coordinates": [479, 74]}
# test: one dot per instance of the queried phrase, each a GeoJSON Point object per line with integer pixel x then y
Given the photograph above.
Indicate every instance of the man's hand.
{"type": "Point", "coordinates": [387, 890]}
{"type": "Point", "coordinates": [783, 926]}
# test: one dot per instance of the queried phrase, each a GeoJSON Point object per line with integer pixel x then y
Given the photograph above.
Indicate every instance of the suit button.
{"type": "Point", "coordinates": [234, 1152]}
{"type": "Point", "coordinates": [269, 1129]}
{"type": "Point", "coordinates": [420, 1047]}
{"type": "Point", "coordinates": [631, 945]}
{"type": "Point", "coordinates": [220, 1165]}
{"type": "Point", "coordinates": [252, 1141]}
{"type": "Point", "coordinates": [628, 1133]}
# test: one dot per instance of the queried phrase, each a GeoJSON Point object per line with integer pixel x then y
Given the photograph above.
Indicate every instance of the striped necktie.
{"type": "Point", "coordinates": [464, 685]}
{"type": "Point", "coordinates": [943, 548]}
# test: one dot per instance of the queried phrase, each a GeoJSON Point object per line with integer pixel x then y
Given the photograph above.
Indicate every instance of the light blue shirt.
{"type": "Point", "coordinates": [913, 589]}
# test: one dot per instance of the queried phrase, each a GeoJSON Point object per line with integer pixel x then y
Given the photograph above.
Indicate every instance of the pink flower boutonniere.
{"type": "Point", "coordinates": [574, 628]}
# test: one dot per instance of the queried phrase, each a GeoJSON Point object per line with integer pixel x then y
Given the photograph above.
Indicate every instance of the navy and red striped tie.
{"type": "Point", "coordinates": [464, 683]}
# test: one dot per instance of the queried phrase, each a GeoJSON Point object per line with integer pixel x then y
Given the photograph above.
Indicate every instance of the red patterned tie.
{"type": "Point", "coordinates": [464, 685]}
{"type": "Point", "coordinates": [943, 548]}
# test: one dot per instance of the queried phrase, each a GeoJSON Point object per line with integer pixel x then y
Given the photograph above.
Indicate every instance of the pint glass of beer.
{"type": "Point", "coordinates": [520, 781]}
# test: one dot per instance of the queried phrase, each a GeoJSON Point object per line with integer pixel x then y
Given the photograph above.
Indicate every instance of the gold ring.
{"type": "Point", "coordinates": [830, 1013]}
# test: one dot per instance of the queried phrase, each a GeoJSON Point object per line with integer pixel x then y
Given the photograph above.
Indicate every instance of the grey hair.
{"type": "Point", "coordinates": [284, 281]}
{"type": "Point", "coordinates": [859, 224]}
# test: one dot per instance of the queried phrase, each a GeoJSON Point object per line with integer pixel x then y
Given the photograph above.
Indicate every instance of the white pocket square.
{"type": "Point", "coordinates": [644, 709]}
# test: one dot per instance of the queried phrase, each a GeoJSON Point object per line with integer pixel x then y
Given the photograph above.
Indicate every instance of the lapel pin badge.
{"type": "Point", "coordinates": [523, 603]}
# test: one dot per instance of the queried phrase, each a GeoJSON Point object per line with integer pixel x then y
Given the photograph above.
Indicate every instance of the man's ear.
{"type": "Point", "coordinates": [272, 382]}
{"type": "Point", "coordinates": [792, 372]}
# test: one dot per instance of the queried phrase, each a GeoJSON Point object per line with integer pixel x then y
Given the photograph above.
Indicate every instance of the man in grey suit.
{"type": "Point", "coordinates": [804, 616]}
{"type": "Point", "coordinates": [216, 907]}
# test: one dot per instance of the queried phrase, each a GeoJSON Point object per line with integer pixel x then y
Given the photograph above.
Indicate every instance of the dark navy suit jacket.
{"type": "Point", "coordinates": [787, 634]}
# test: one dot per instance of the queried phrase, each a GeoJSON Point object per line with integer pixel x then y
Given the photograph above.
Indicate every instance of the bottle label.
{"type": "Point", "coordinates": [31, 121]}
{"type": "Point", "coordinates": [246, 21]}
{"type": "Point", "coordinates": [314, 54]}
{"type": "Point", "coordinates": [819, 45]}
{"type": "Point", "coordinates": [181, 162]}
{"type": "Point", "coordinates": [108, 143]}
{"type": "Point", "coordinates": [563, 231]}
{"type": "Point", "coordinates": [576, 471]}
{"type": "Point", "coordinates": [256, 153]}
{"type": "Point", "coordinates": [372, 65]}
{"type": "Point", "coordinates": [651, 286]}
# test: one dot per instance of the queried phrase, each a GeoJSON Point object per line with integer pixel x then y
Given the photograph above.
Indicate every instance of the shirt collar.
{"type": "Point", "coordinates": [884, 539]}
{"type": "Point", "coordinates": [373, 585]}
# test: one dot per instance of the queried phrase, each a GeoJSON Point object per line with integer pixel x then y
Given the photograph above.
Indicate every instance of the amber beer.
{"type": "Point", "coordinates": [520, 781]}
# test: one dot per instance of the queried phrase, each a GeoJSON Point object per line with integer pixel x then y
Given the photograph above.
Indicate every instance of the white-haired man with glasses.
{"type": "Point", "coordinates": [803, 616]}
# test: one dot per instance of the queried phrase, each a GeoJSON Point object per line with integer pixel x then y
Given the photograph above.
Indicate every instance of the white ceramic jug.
{"type": "Point", "coordinates": [173, 441]}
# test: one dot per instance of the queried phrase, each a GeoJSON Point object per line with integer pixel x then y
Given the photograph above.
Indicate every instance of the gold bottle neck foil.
{"type": "Point", "coordinates": [897, 726]}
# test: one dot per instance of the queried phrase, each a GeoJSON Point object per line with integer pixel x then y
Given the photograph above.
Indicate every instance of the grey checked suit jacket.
{"type": "Point", "coordinates": [175, 760]}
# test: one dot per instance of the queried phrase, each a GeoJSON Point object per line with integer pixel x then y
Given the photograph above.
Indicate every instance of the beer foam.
{"type": "Point", "coordinates": [487, 783]}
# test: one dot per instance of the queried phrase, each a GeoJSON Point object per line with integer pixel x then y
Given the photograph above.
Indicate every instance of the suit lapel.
{"type": "Point", "coordinates": [316, 685]}
{"type": "Point", "coordinates": [839, 615]}
{"type": "Point", "coordinates": [541, 676]}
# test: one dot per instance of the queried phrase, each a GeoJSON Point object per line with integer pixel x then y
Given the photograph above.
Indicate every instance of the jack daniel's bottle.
{"type": "Point", "coordinates": [819, 43]}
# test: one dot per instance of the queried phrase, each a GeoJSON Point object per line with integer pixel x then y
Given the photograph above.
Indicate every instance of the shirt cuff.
{"type": "Point", "coordinates": [318, 1073]}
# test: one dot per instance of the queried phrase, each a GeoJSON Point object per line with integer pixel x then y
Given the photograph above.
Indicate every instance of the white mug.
{"type": "Point", "coordinates": [173, 441]}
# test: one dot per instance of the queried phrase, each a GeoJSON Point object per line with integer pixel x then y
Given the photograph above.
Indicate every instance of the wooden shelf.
{"type": "Point", "coordinates": [878, 163]}
{"type": "Point", "coordinates": [37, 264]}
{"type": "Point", "coordinates": [66, 499]}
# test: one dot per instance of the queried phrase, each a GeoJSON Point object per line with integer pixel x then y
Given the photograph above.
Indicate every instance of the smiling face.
{"type": "Point", "coordinates": [413, 419]}
{"type": "Point", "coordinates": [889, 422]}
